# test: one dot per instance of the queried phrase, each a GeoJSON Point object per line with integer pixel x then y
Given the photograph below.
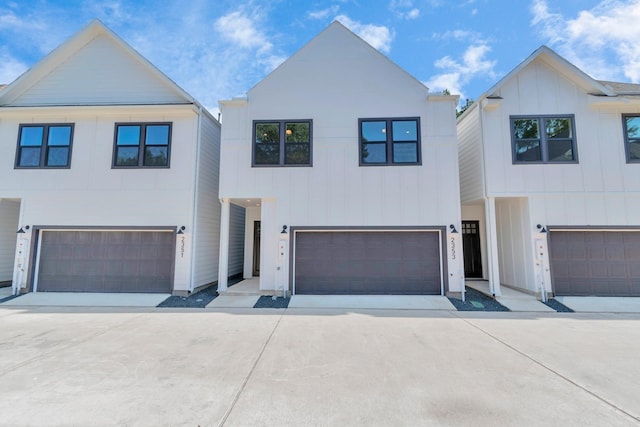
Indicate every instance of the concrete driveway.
{"type": "Point", "coordinates": [316, 367]}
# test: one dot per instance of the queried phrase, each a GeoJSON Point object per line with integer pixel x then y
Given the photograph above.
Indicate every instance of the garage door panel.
{"type": "Point", "coordinates": [612, 267]}
{"type": "Point", "coordinates": [367, 263]}
{"type": "Point", "coordinates": [106, 261]}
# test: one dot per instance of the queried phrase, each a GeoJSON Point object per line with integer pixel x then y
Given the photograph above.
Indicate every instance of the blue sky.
{"type": "Point", "coordinates": [220, 49]}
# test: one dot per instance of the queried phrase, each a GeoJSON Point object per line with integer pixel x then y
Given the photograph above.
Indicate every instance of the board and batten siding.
{"type": "Point", "coordinates": [540, 90]}
{"type": "Point", "coordinates": [207, 224]}
{"type": "Point", "coordinates": [471, 156]}
{"type": "Point", "coordinates": [123, 79]}
{"type": "Point", "coordinates": [236, 240]}
{"type": "Point", "coordinates": [515, 247]}
{"type": "Point", "coordinates": [9, 214]}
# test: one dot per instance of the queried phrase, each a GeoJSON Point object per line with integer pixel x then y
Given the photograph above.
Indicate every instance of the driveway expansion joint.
{"type": "Point", "coordinates": [253, 368]}
{"type": "Point", "coordinates": [549, 369]}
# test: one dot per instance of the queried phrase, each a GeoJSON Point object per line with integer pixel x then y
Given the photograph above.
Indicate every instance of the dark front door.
{"type": "Point", "coordinates": [471, 249]}
{"type": "Point", "coordinates": [256, 248]}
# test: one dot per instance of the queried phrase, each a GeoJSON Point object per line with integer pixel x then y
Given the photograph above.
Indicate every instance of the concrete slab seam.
{"type": "Point", "coordinates": [542, 365]}
{"type": "Point", "coordinates": [253, 368]}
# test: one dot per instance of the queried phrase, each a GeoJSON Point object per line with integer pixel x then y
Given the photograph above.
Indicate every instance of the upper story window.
{"type": "Point", "coordinates": [140, 145]}
{"type": "Point", "coordinates": [632, 137]}
{"type": "Point", "coordinates": [44, 146]}
{"type": "Point", "coordinates": [389, 141]}
{"type": "Point", "coordinates": [282, 142]}
{"type": "Point", "coordinates": [543, 139]}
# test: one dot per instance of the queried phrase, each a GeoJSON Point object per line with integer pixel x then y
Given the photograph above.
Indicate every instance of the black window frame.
{"type": "Point", "coordinates": [625, 129]}
{"type": "Point", "coordinates": [390, 141]}
{"type": "Point", "coordinates": [544, 148]}
{"type": "Point", "coordinates": [281, 143]}
{"type": "Point", "coordinates": [141, 145]}
{"type": "Point", "coordinates": [44, 147]}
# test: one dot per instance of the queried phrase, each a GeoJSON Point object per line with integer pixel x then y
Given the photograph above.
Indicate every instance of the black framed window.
{"type": "Point", "coordinates": [389, 141]}
{"type": "Point", "coordinates": [282, 142]}
{"type": "Point", "coordinates": [44, 145]}
{"type": "Point", "coordinates": [142, 145]}
{"type": "Point", "coordinates": [631, 125]}
{"type": "Point", "coordinates": [543, 139]}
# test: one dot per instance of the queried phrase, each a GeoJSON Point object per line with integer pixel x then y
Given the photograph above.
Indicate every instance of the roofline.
{"type": "Point", "coordinates": [337, 22]}
{"type": "Point", "coordinates": [562, 61]}
{"type": "Point", "coordinates": [82, 37]}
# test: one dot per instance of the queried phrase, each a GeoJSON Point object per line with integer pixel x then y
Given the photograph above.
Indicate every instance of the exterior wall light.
{"type": "Point", "coordinates": [453, 229]}
{"type": "Point", "coordinates": [181, 230]}
{"type": "Point", "coordinates": [541, 228]}
{"type": "Point", "coordinates": [22, 230]}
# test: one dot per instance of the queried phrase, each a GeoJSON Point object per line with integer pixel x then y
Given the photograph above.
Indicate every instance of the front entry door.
{"type": "Point", "coordinates": [471, 249]}
{"type": "Point", "coordinates": [256, 248]}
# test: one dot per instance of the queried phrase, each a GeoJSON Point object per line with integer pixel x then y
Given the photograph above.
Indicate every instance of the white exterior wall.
{"type": "Point", "coordinates": [471, 156]}
{"type": "Point", "coordinates": [602, 167]}
{"type": "Point", "coordinates": [334, 88]}
{"type": "Point", "coordinates": [515, 243]}
{"type": "Point", "coordinates": [123, 79]}
{"type": "Point", "coordinates": [601, 189]}
{"type": "Point", "coordinates": [206, 245]}
{"type": "Point", "coordinates": [91, 193]}
{"type": "Point", "coordinates": [9, 224]}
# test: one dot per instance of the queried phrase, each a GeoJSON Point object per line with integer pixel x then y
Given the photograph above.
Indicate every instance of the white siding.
{"type": "Point", "coordinates": [9, 214]}
{"type": "Point", "coordinates": [540, 90]}
{"type": "Point", "coordinates": [335, 87]}
{"type": "Point", "coordinates": [101, 72]}
{"type": "Point", "coordinates": [236, 240]}
{"type": "Point", "coordinates": [515, 244]}
{"type": "Point", "coordinates": [471, 156]}
{"type": "Point", "coordinates": [93, 194]}
{"type": "Point", "coordinates": [207, 224]}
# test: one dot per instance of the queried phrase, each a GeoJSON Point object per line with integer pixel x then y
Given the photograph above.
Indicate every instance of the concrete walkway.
{"type": "Point", "coordinates": [323, 367]}
{"type": "Point", "coordinates": [85, 299]}
{"type": "Point", "coordinates": [511, 298]}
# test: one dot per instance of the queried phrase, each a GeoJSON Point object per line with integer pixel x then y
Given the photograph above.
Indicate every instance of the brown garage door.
{"type": "Point", "coordinates": [352, 263]}
{"type": "Point", "coordinates": [106, 261]}
{"type": "Point", "coordinates": [600, 263]}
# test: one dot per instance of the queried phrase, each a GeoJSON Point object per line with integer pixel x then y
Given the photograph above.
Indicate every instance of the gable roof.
{"type": "Point", "coordinates": [551, 58]}
{"type": "Point", "coordinates": [65, 52]}
{"type": "Point", "coordinates": [339, 30]}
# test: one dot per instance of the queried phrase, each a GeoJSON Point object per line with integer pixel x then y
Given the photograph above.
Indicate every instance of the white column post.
{"type": "Point", "coordinates": [223, 259]}
{"type": "Point", "coordinates": [492, 246]}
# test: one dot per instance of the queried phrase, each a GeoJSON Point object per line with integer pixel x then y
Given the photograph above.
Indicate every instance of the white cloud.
{"type": "Point", "coordinates": [378, 36]}
{"type": "Point", "coordinates": [404, 9]}
{"type": "Point", "coordinates": [242, 30]}
{"type": "Point", "coordinates": [601, 41]}
{"type": "Point", "coordinates": [458, 72]}
{"type": "Point", "coordinates": [10, 68]}
{"type": "Point", "coordinates": [323, 13]}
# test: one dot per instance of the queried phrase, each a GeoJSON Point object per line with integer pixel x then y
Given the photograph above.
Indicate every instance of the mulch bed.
{"type": "Point", "coordinates": [477, 301]}
{"type": "Point", "coordinates": [272, 302]}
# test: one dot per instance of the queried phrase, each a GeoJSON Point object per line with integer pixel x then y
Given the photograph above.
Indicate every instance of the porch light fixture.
{"type": "Point", "coordinates": [284, 229]}
{"type": "Point", "coordinates": [453, 229]}
{"type": "Point", "coordinates": [181, 230]}
{"type": "Point", "coordinates": [541, 228]}
{"type": "Point", "coordinates": [21, 231]}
